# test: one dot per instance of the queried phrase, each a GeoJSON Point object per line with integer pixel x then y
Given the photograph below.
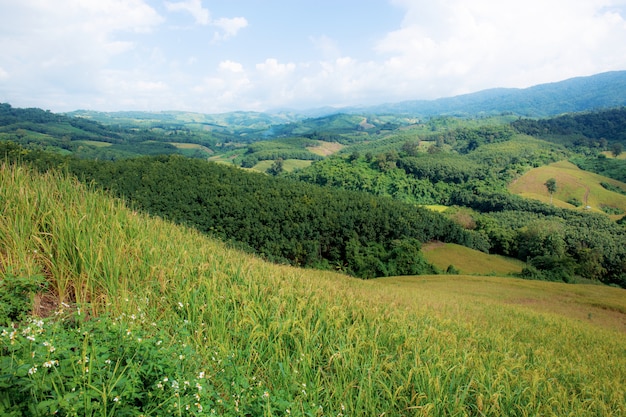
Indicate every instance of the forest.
{"type": "Point", "coordinates": [363, 210]}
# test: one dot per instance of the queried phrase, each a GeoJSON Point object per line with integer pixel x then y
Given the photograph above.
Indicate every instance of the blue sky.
{"type": "Point", "coordinates": [215, 56]}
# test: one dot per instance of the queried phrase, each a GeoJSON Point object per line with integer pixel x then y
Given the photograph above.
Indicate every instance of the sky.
{"type": "Point", "coordinates": [214, 56]}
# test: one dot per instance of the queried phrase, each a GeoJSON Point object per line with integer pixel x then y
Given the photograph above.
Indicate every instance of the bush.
{"type": "Point", "coordinates": [16, 296]}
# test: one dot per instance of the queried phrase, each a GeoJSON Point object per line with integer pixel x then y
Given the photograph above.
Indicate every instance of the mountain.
{"type": "Point", "coordinates": [573, 95]}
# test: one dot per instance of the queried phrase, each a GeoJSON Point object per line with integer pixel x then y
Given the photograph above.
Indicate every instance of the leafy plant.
{"type": "Point", "coordinates": [16, 292]}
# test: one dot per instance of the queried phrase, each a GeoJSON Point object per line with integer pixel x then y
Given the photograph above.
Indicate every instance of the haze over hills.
{"type": "Point", "coordinates": [572, 95]}
{"type": "Point", "coordinates": [597, 91]}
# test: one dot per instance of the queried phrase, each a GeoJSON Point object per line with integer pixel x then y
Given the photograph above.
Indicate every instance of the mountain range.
{"type": "Point", "coordinates": [598, 91]}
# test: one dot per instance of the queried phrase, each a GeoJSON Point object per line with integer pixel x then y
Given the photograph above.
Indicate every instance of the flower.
{"type": "Point", "coordinates": [32, 370]}
{"type": "Point", "coordinates": [116, 399]}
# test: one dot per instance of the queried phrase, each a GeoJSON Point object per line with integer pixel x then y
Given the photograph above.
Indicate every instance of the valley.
{"type": "Point", "coordinates": [394, 260]}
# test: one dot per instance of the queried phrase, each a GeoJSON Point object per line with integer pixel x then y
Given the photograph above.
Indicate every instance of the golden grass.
{"type": "Point", "coordinates": [191, 146]}
{"type": "Point", "coordinates": [288, 165]}
{"type": "Point", "coordinates": [469, 261]}
{"type": "Point", "coordinates": [572, 182]}
{"type": "Point", "coordinates": [431, 346]}
{"type": "Point", "coordinates": [95, 143]}
{"type": "Point", "coordinates": [326, 148]}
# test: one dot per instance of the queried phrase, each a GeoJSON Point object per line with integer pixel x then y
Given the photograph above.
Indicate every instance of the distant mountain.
{"type": "Point", "coordinates": [573, 95]}
{"type": "Point", "coordinates": [600, 91]}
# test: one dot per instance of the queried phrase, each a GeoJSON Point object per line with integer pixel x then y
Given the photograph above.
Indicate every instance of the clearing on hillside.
{"type": "Point", "coordinates": [573, 185]}
{"type": "Point", "coordinates": [469, 261]}
{"type": "Point", "coordinates": [326, 148]}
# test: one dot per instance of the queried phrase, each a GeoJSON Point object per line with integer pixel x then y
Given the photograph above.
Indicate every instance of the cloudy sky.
{"type": "Point", "coordinates": [214, 56]}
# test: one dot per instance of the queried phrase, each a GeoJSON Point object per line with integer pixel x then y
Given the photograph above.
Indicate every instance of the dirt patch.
{"type": "Point", "coordinates": [45, 305]}
{"type": "Point", "coordinates": [326, 148]}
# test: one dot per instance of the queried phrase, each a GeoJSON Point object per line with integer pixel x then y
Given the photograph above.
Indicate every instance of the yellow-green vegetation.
{"type": "Point", "coordinates": [572, 183]}
{"type": "Point", "coordinates": [288, 165]}
{"type": "Point", "coordinates": [191, 146]}
{"type": "Point", "coordinates": [276, 340]}
{"type": "Point", "coordinates": [326, 148]}
{"type": "Point", "coordinates": [469, 261]}
{"type": "Point", "coordinates": [436, 207]}
{"type": "Point", "coordinates": [97, 144]}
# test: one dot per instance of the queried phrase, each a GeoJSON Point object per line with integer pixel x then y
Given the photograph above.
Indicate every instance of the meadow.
{"type": "Point", "coordinates": [469, 261]}
{"type": "Point", "coordinates": [162, 320]}
{"type": "Point", "coordinates": [572, 183]}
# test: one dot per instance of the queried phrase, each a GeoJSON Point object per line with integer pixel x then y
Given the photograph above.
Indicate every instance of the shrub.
{"type": "Point", "coordinates": [15, 296]}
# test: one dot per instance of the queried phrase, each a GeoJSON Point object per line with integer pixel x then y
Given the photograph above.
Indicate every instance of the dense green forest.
{"type": "Point", "coordinates": [280, 219]}
{"type": "Point", "coordinates": [361, 212]}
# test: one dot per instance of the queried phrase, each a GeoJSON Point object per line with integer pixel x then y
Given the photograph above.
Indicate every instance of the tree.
{"type": "Point", "coordinates": [551, 186]}
{"type": "Point", "coordinates": [617, 149]}
{"type": "Point", "coordinates": [276, 168]}
{"type": "Point", "coordinates": [411, 147]}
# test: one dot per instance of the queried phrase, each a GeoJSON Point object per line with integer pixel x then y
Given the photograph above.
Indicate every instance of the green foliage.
{"type": "Point", "coordinates": [112, 366]}
{"type": "Point", "coordinates": [43, 130]}
{"type": "Point", "coordinates": [274, 340]}
{"type": "Point", "coordinates": [290, 148]}
{"type": "Point", "coordinates": [528, 229]}
{"type": "Point", "coordinates": [283, 220]}
{"type": "Point", "coordinates": [452, 270]}
{"type": "Point", "coordinates": [276, 168]}
{"type": "Point", "coordinates": [609, 167]}
{"type": "Point", "coordinates": [16, 293]}
{"type": "Point", "coordinates": [591, 129]}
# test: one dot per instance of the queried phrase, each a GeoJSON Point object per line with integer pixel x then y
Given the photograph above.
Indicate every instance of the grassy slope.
{"type": "Point", "coordinates": [572, 182]}
{"type": "Point", "coordinates": [469, 261]}
{"type": "Point", "coordinates": [288, 165]}
{"type": "Point", "coordinates": [403, 346]}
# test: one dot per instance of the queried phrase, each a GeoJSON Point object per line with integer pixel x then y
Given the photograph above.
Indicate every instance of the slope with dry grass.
{"type": "Point", "coordinates": [276, 340]}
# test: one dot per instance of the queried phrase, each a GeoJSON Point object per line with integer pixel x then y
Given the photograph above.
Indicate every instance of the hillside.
{"type": "Point", "coordinates": [469, 261]}
{"type": "Point", "coordinates": [157, 319]}
{"type": "Point", "coordinates": [575, 189]}
{"type": "Point", "coordinates": [572, 95]}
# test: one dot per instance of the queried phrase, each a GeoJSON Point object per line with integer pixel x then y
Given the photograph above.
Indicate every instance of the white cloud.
{"type": "Point", "coordinates": [229, 27]}
{"type": "Point", "coordinates": [472, 44]}
{"type": "Point", "coordinates": [231, 66]}
{"type": "Point", "coordinates": [194, 7]}
{"type": "Point", "coordinates": [3, 74]}
{"type": "Point", "coordinates": [61, 47]}
{"type": "Point", "coordinates": [271, 67]}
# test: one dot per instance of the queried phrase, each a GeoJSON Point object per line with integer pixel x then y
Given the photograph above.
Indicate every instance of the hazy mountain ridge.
{"type": "Point", "coordinates": [578, 94]}
{"type": "Point", "coordinates": [572, 95]}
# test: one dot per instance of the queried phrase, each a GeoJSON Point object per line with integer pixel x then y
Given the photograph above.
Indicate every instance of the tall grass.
{"type": "Point", "coordinates": [304, 342]}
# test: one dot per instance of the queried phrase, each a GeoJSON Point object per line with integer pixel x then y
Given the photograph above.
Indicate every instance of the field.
{"type": "Point", "coordinates": [191, 146]}
{"type": "Point", "coordinates": [572, 182]}
{"type": "Point", "coordinates": [263, 339]}
{"type": "Point", "coordinates": [326, 148]}
{"type": "Point", "coordinates": [288, 165]}
{"type": "Point", "coordinates": [95, 143]}
{"type": "Point", "coordinates": [469, 261]}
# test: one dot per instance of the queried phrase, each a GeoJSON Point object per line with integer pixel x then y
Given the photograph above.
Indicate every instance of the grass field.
{"type": "Point", "coordinates": [572, 182]}
{"type": "Point", "coordinates": [191, 146]}
{"type": "Point", "coordinates": [326, 148]}
{"type": "Point", "coordinates": [95, 143]}
{"type": "Point", "coordinates": [469, 261]}
{"type": "Point", "coordinates": [288, 165]}
{"type": "Point", "coordinates": [280, 341]}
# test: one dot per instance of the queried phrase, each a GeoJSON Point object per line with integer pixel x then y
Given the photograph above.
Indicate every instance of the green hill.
{"type": "Point", "coordinates": [157, 319]}
{"type": "Point", "coordinates": [469, 261]}
{"type": "Point", "coordinates": [573, 186]}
